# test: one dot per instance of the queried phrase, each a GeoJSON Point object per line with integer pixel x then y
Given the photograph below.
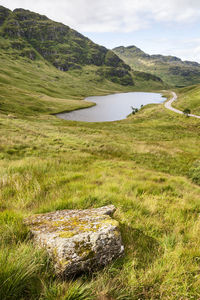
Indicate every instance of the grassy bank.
{"type": "Point", "coordinates": [141, 165]}
{"type": "Point", "coordinates": [189, 98]}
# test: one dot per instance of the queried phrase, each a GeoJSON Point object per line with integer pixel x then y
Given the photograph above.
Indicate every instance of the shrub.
{"type": "Point", "coordinates": [134, 110]}
{"type": "Point", "coordinates": [194, 172]}
{"type": "Point", "coordinates": [186, 111]}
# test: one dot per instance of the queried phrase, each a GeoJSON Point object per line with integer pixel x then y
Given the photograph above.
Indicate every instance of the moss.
{"type": "Point", "coordinates": [84, 250]}
{"type": "Point", "coordinates": [67, 228]}
{"type": "Point", "coordinates": [116, 232]}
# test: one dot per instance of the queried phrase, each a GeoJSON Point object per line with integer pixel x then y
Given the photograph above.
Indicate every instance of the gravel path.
{"type": "Point", "coordinates": [168, 105]}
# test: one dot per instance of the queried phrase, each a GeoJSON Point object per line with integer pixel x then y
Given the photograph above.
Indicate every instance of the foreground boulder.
{"type": "Point", "coordinates": [78, 240]}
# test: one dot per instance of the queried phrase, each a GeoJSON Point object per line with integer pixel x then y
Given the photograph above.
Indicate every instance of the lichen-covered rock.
{"type": "Point", "coordinates": [78, 240]}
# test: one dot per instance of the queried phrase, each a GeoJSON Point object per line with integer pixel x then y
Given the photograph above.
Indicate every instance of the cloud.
{"type": "Point", "coordinates": [189, 50]}
{"type": "Point", "coordinates": [112, 15]}
{"type": "Point", "coordinates": [185, 48]}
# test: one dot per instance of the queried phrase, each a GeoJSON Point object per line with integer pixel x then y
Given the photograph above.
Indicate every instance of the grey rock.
{"type": "Point", "coordinates": [78, 240]}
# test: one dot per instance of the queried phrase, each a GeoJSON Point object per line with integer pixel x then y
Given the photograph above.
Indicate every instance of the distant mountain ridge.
{"type": "Point", "coordinates": [170, 69]}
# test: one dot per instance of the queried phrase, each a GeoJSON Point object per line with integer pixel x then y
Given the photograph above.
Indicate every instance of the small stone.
{"type": "Point", "coordinates": [78, 240]}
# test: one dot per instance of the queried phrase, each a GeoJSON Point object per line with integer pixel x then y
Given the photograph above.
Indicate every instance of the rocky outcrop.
{"type": "Point", "coordinates": [78, 240]}
{"type": "Point", "coordinates": [4, 13]}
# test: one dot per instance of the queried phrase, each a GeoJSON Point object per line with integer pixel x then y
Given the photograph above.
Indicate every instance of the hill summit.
{"type": "Point", "coordinates": [170, 69]}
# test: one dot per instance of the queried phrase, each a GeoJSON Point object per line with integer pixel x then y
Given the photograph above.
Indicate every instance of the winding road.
{"type": "Point", "coordinates": [168, 105]}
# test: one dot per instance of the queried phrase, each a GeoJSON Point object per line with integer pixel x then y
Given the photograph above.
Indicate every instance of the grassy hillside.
{"type": "Point", "coordinates": [28, 34]}
{"type": "Point", "coordinates": [189, 97]}
{"type": "Point", "coordinates": [170, 69]}
{"type": "Point", "coordinates": [32, 35]}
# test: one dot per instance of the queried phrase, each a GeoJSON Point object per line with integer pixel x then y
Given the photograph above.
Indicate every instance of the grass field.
{"type": "Point", "coordinates": [189, 98]}
{"type": "Point", "coordinates": [143, 165]}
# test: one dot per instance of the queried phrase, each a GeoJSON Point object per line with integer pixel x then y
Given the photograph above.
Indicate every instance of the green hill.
{"type": "Point", "coordinates": [170, 69]}
{"type": "Point", "coordinates": [30, 35]}
{"type": "Point", "coordinates": [34, 36]}
{"type": "Point", "coordinates": [189, 97]}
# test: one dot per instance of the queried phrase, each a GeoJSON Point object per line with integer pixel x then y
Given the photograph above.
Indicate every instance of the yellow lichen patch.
{"type": "Point", "coordinates": [116, 232]}
{"type": "Point", "coordinates": [111, 222]}
{"type": "Point", "coordinates": [66, 234]}
{"type": "Point", "coordinates": [55, 253]}
{"type": "Point", "coordinates": [67, 227]}
{"type": "Point", "coordinates": [76, 225]}
{"type": "Point", "coordinates": [71, 223]}
{"type": "Point", "coordinates": [63, 263]}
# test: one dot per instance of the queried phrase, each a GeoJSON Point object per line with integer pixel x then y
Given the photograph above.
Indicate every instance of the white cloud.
{"type": "Point", "coordinates": [189, 51]}
{"type": "Point", "coordinates": [112, 15]}
{"type": "Point", "coordinates": [186, 49]}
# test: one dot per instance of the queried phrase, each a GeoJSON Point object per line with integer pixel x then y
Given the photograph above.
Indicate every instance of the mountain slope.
{"type": "Point", "coordinates": [170, 69]}
{"type": "Point", "coordinates": [32, 34]}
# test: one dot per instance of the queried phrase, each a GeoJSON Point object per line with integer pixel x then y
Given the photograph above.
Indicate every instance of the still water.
{"type": "Point", "coordinates": [111, 107]}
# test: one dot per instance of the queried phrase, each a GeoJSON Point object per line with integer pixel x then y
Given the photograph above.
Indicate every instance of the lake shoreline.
{"type": "Point", "coordinates": [111, 107]}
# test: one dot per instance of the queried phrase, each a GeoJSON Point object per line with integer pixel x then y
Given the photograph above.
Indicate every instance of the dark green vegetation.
{"type": "Point", "coordinates": [194, 172]}
{"type": "Point", "coordinates": [172, 70]}
{"type": "Point", "coordinates": [146, 165]}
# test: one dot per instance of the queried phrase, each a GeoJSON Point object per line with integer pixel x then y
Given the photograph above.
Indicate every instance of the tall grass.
{"type": "Point", "coordinates": [12, 228]}
{"type": "Point", "coordinates": [21, 269]}
{"type": "Point", "coordinates": [68, 291]}
{"type": "Point", "coordinates": [194, 172]}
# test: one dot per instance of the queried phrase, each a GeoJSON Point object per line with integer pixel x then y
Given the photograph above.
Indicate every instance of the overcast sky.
{"type": "Point", "coordinates": [169, 27]}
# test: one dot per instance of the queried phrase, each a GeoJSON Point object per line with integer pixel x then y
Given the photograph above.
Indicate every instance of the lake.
{"type": "Point", "coordinates": [111, 107]}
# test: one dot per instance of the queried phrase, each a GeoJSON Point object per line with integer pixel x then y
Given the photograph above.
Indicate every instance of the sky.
{"type": "Point", "coordinates": [169, 27]}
